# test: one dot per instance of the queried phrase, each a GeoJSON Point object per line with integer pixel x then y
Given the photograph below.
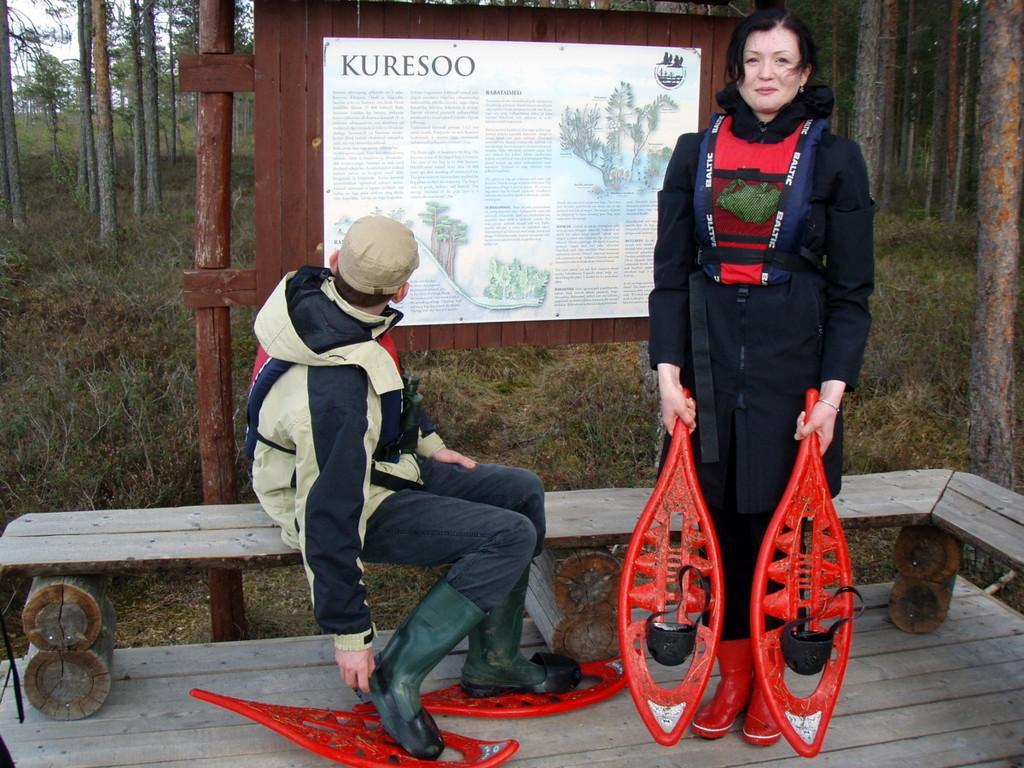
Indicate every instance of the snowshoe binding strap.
{"type": "Point", "coordinates": [671, 642]}
{"type": "Point", "coordinates": [805, 651]}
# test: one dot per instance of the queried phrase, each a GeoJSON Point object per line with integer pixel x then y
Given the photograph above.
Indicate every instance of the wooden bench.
{"type": "Point", "coordinates": [71, 624]}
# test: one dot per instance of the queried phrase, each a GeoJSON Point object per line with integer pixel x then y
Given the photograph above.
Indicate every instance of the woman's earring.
{"type": "Point", "coordinates": [801, 89]}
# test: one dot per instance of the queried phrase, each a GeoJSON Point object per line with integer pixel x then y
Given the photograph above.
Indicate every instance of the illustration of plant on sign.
{"type": "Point", "coordinates": [627, 130]}
{"type": "Point", "coordinates": [516, 280]}
{"type": "Point", "coordinates": [446, 235]}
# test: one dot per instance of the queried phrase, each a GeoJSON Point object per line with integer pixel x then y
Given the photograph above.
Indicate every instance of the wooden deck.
{"type": "Point", "coordinates": [954, 697]}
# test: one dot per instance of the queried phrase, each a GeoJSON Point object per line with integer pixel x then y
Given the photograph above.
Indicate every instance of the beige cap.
{"type": "Point", "coordinates": [377, 255]}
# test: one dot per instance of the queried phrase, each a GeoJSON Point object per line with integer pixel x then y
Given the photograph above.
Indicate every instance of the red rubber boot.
{"type": "Point", "coordinates": [736, 666]}
{"type": "Point", "coordinates": [759, 727]}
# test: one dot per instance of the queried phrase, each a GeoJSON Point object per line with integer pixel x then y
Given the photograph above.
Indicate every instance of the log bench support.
{"type": "Point", "coordinates": [572, 598]}
{"type": "Point", "coordinates": [70, 624]}
{"type": "Point", "coordinates": [927, 559]}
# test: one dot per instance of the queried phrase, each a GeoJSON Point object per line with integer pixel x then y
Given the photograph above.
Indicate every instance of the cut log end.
{"type": "Point", "coordinates": [585, 579]}
{"type": "Point", "coordinates": [64, 613]}
{"type": "Point", "coordinates": [926, 552]}
{"type": "Point", "coordinates": [589, 637]}
{"type": "Point", "coordinates": [67, 686]}
{"type": "Point", "coordinates": [917, 605]}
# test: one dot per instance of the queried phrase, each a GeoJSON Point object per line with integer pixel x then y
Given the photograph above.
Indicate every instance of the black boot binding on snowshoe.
{"type": "Point", "coordinates": [494, 666]}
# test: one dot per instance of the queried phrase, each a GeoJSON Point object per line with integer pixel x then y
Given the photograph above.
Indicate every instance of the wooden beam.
{"type": "Point", "coordinates": [216, 73]}
{"type": "Point", "coordinates": [217, 448]}
{"type": "Point", "coordinates": [224, 287]}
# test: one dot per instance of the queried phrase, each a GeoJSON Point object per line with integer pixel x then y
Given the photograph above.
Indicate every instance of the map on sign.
{"type": "Point", "coordinates": [528, 172]}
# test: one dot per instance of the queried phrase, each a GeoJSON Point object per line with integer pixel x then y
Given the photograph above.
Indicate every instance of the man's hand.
{"type": "Point", "coordinates": [356, 668]}
{"type": "Point", "coordinates": [448, 456]}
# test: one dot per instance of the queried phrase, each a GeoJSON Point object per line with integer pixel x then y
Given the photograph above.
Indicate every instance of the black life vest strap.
{"type": "Point", "coordinates": [805, 261]}
{"type": "Point", "coordinates": [748, 174]}
{"type": "Point", "coordinates": [707, 420]}
{"type": "Point", "coordinates": [274, 445]}
{"type": "Point", "coordinates": [392, 482]}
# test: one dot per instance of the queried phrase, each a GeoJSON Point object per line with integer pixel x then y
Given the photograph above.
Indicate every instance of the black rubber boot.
{"type": "Point", "coordinates": [495, 666]}
{"type": "Point", "coordinates": [436, 626]}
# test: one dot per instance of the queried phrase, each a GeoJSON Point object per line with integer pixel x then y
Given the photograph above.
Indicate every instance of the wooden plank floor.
{"type": "Point", "coordinates": [954, 697]}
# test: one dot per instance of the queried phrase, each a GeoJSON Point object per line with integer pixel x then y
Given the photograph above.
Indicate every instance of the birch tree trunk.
{"type": "Point", "coordinates": [151, 92]}
{"type": "Point", "coordinates": [104, 124]}
{"type": "Point", "coordinates": [990, 435]}
{"type": "Point", "coordinates": [952, 124]}
{"type": "Point", "coordinates": [867, 113]}
{"type": "Point", "coordinates": [138, 127]}
{"type": "Point", "coordinates": [12, 164]}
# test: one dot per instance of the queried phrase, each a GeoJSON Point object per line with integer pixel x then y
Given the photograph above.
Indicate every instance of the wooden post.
{"type": "Point", "coordinates": [213, 324]}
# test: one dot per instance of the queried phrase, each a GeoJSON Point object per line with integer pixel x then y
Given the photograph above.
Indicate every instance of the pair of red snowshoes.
{"type": "Point", "coordinates": [671, 601]}
{"type": "Point", "coordinates": [356, 738]}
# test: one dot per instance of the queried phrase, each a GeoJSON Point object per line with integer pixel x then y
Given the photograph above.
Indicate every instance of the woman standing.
{"type": "Point", "coordinates": [762, 272]}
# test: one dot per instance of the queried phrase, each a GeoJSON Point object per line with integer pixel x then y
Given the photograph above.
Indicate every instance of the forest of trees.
{"type": "Point", "coordinates": [931, 89]}
{"type": "Point", "coordinates": [118, 97]}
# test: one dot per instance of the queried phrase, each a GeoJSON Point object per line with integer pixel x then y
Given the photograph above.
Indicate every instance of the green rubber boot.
{"type": "Point", "coordinates": [495, 666]}
{"type": "Point", "coordinates": [436, 626]}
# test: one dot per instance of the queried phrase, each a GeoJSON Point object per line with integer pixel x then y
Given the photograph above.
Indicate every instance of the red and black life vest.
{"type": "Point", "coordinates": [751, 204]}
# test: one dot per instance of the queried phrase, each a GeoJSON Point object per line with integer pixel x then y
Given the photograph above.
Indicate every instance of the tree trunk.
{"type": "Point", "coordinates": [105, 125]}
{"type": "Point", "coordinates": [907, 148]}
{"type": "Point", "coordinates": [173, 148]}
{"type": "Point", "coordinates": [952, 123]}
{"type": "Point", "coordinates": [961, 127]}
{"type": "Point", "coordinates": [940, 104]}
{"type": "Point", "coordinates": [867, 114]}
{"type": "Point", "coordinates": [834, 83]}
{"type": "Point", "coordinates": [87, 145]}
{"type": "Point", "coordinates": [151, 90]}
{"type": "Point", "coordinates": [887, 48]}
{"type": "Point", "coordinates": [138, 128]}
{"type": "Point", "coordinates": [5, 192]}
{"type": "Point", "coordinates": [990, 436]}
{"type": "Point", "coordinates": [13, 163]}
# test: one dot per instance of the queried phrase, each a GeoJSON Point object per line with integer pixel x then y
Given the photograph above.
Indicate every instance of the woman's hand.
{"type": "Point", "coordinates": [673, 403]}
{"type": "Point", "coordinates": [448, 456]}
{"type": "Point", "coordinates": [823, 415]}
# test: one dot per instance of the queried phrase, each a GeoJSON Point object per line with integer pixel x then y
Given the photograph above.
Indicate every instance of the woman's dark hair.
{"type": "Point", "coordinates": [765, 21]}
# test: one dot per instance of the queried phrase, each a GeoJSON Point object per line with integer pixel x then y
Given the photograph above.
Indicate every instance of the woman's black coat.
{"type": "Point", "coordinates": [797, 334]}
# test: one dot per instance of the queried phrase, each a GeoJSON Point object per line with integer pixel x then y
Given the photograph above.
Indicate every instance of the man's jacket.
{"type": "Point", "coordinates": [321, 425]}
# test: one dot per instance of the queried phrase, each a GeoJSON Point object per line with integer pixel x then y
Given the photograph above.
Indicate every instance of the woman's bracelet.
{"type": "Point", "coordinates": [831, 405]}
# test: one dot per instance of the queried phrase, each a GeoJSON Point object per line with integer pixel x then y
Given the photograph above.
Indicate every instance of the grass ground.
{"type": "Point", "coordinates": [97, 394]}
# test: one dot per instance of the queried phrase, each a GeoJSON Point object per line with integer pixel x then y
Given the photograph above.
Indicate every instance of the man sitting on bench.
{"type": "Point", "coordinates": [350, 466]}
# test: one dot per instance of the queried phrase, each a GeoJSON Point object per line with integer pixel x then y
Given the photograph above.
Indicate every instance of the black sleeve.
{"type": "Point", "coordinates": [674, 256]}
{"type": "Point", "coordinates": [335, 502]}
{"type": "Point", "coordinates": [849, 262]}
